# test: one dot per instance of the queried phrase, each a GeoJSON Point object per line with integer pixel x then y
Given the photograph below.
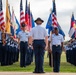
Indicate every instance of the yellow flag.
{"type": "Point", "coordinates": [7, 18]}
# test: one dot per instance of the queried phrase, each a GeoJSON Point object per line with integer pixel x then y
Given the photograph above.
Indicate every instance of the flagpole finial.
{"type": "Point", "coordinates": [29, 3]}
{"type": "Point", "coordinates": [8, 4]}
{"type": "Point", "coordinates": [53, 0]}
{"type": "Point", "coordinates": [50, 9]}
{"type": "Point", "coordinates": [72, 12]}
{"type": "Point", "coordinates": [12, 7]}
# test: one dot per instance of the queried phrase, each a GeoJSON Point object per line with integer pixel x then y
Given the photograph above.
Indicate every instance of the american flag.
{"type": "Point", "coordinates": [22, 16]}
{"type": "Point", "coordinates": [2, 23]}
{"type": "Point", "coordinates": [54, 17]}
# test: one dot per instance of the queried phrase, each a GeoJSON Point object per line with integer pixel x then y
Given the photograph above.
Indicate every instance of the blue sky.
{"type": "Point", "coordinates": [42, 8]}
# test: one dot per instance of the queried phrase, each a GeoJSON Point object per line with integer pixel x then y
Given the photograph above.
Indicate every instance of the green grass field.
{"type": "Point", "coordinates": [65, 67]}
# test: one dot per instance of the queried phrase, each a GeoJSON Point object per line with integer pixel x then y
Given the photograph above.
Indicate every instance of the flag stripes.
{"type": "Point", "coordinates": [2, 23]}
{"type": "Point", "coordinates": [22, 16]}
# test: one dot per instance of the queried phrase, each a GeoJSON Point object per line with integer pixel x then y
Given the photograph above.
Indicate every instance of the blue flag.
{"type": "Point", "coordinates": [49, 23]}
{"type": "Point", "coordinates": [52, 21]}
{"type": "Point", "coordinates": [32, 19]}
{"type": "Point", "coordinates": [60, 30]}
{"type": "Point", "coordinates": [17, 30]}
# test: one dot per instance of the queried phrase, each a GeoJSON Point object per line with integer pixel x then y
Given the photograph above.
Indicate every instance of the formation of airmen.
{"type": "Point", "coordinates": [9, 51]}
{"type": "Point", "coordinates": [35, 43]}
{"type": "Point", "coordinates": [29, 43]}
{"type": "Point", "coordinates": [71, 51]}
{"type": "Point", "coordinates": [10, 48]}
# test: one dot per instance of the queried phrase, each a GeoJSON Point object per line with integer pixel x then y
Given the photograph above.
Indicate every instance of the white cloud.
{"type": "Point", "coordinates": [64, 5]}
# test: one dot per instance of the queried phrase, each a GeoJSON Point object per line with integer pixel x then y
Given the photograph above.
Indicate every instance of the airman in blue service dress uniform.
{"type": "Point", "coordinates": [23, 38]}
{"type": "Point", "coordinates": [57, 46]}
{"type": "Point", "coordinates": [39, 37]}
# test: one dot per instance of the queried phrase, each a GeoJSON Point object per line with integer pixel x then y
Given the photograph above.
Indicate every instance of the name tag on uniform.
{"type": "Point", "coordinates": [26, 33]}
{"type": "Point", "coordinates": [56, 45]}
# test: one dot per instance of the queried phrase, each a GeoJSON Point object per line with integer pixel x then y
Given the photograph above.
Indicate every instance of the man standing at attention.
{"type": "Point", "coordinates": [39, 37]}
{"type": "Point", "coordinates": [23, 40]}
{"type": "Point", "coordinates": [57, 46]}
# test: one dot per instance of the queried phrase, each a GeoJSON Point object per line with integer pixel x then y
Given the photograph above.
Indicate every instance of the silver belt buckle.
{"type": "Point", "coordinates": [24, 41]}
{"type": "Point", "coordinates": [56, 45]}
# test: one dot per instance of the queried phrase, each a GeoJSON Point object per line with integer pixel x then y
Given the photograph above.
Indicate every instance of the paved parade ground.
{"type": "Point", "coordinates": [26, 73]}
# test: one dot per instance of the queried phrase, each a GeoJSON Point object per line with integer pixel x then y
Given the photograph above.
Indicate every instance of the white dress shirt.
{"type": "Point", "coordinates": [57, 39]}
{"type": "Point", "coordinates": [38, 32]}
{"type": "Point", "coordinates": [23, 36]}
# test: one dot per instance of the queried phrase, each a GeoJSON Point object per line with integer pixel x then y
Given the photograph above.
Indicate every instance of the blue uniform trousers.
{"type": "Point", "coordinates": [6, 54]}
{"type": "Point", "coordinates": [67, 56]}
{"type": "Point", "coordinates": [14, 54]}
{"type": "Point", "coordinates": [3, 56]}
{"type": "Point", "coordinates": [39, 51]}
{"type": "Point", "coordinates": [50, 59]}
{"type": "Point", "coordinates": [28, 56]}
{"type": "Point", "coordinates": [75, 56]}
{"type": "Point", "coordinates": [0, 51]}
{"type": "Point", "coordinates": [56, 50]}
{"type": "Point", "coordinates": [17, 55]}
{"type": "Point", "coordinates": [23, 50]}
{"type": "Point", "coordinates": [9, 55]}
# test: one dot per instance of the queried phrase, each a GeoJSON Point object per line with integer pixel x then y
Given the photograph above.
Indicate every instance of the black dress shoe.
{"type": "Point", "coordinates": [21, 66]}
{"type": "Point", "coordinates": [35, 72]}
{"type": "Point", "coordinates": [42, 72]}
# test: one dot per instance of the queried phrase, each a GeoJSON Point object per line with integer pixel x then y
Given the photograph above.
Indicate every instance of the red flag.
{"type": "Point", "coordinates": [27, 17]}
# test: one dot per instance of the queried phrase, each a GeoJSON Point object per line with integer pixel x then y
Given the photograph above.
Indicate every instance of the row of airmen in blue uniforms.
{"type": "Point", "coordinates": [9, 52]}
{"type": "Point", "coordinates": [71, 52]}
